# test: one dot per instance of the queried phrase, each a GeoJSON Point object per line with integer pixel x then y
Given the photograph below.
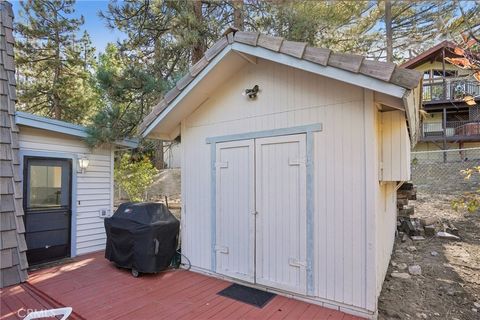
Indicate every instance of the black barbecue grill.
{"type": "Point", "coordinates": [142, 237]}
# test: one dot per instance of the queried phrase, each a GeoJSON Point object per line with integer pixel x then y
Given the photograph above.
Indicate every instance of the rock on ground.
{"type": "Point", "coordinates": [415, 270]}
{"type": "Point", "coordinates": [449, 285]}
{"type": "Point", "coordinates": [400, 275]}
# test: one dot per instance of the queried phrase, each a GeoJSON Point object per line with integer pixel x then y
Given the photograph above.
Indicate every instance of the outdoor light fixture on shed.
{"type": "Point", "coordinates": [83, 163]}
{"type": "Point", "coordinates": [252, 93]}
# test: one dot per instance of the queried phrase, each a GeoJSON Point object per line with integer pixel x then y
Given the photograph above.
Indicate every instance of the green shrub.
{"type": "Point", "coordinates": [469, 201]}
{"type": "Point", "coordinates": [134, 176]}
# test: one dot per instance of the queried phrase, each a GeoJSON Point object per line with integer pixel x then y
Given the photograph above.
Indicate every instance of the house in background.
{"type": "Point", "coordinates": [291, 156]}
{"type": "Point", "coordinates": [450, 122]}
{"type": "Point", "coordinates": [54, 190]}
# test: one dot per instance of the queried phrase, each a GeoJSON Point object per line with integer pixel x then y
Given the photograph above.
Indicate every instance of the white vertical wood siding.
{"type": "Point", "coordinates": [387, 222]}
{"type": "Point", "coordinates": [290, 97]}
{"type": "Point", "coordinates": [94, 187]}
{"type": "Point", "coordinates": [395, 147]}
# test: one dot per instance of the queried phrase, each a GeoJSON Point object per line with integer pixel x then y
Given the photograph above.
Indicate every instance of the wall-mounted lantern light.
{"type": "Point", "coordinates": [252, 93]}
{"type": "Point", "coordinates": [83, 162]}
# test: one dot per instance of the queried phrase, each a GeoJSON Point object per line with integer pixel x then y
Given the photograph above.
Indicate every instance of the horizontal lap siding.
{"type": "Point", "coordinates": [287, 98]}
{"type": "Point", "coordinates": [94, 187]}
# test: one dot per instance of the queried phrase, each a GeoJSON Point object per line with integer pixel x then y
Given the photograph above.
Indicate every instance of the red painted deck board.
{"type": "Point", "coordinates": [98, 290]}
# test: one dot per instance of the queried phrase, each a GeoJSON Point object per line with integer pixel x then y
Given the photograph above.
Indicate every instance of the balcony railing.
{"type": "Point", "coordinates": [458, 129]}
{"type": "Point", "coordinates": [452, 90]}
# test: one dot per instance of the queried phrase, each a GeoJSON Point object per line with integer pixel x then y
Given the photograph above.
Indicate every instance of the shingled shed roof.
{"type": "Point", "coordinates": [355, 64]}
{"type": "Point", "coordinates": [13, 261]}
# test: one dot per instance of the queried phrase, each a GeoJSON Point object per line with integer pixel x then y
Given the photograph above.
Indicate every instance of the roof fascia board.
{"type": "Point", "coordinates": [129, 143]}
{"type": "Point", "coordinates": [34, 121]}
{"type": "Point", "coordinates": [30, 120]}
{"type": "Point", "coordinates": [187, 90]}
{"type": "Point", "coordinates": [326, 71]}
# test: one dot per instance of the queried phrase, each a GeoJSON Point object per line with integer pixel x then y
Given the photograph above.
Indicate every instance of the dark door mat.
{"type": "Point", "coordinates": [248, 295]}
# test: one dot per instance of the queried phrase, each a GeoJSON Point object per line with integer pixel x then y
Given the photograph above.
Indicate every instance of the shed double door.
{"type": "Point", "coordinates": [261, 211]}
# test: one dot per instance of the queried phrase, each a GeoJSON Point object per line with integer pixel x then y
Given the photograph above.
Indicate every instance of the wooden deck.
{"type": "Point", "coordinates": [98, 290]}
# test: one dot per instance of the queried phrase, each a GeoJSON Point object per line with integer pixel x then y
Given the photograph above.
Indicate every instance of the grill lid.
{"type": "Point", "coordinates": [145, 213]}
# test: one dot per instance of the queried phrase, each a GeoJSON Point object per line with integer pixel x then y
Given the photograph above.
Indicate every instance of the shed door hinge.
{"type": "Point", "coordinates": [296, 263]}
{"type": "Point", "coordinates": [219, 164]}
{"type": "Point", "coordinates": [296, 162]}
{"type": "Point", "coordinates": [221, 249]}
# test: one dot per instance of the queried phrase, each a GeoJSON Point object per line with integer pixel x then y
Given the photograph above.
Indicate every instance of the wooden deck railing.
{"type": "Point", "coordinates": [452, 90]}
{"type": "Point", "coordinates": [459, 129]}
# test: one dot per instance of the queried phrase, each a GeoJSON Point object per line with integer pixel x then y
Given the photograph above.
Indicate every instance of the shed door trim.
{"type": "Point", "coordinates": [308, 130]}
{"type": "Point", "coordinates": [315, 127]}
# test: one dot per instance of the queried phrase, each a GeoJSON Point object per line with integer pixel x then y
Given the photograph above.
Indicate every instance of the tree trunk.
{"type": "Point", "coordinates": [238, 16]}
{"type": "Point", "coordinates": [199, 49]}
{"type": "Point", "coordinates": [388, 29]}
{"type": "Point", "coordinates": [158, 156]}
{"type": "Point", "coordinates": [57, 112]}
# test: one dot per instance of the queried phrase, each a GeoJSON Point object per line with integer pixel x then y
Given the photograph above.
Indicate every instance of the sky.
{"type": "Point", "coordinates": [100, 34]}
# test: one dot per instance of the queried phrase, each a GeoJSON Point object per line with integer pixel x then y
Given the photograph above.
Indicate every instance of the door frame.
{"type": "Point", "coordinates": [73, 188]}
{"type": "Point", "coordinates": [309, 130]}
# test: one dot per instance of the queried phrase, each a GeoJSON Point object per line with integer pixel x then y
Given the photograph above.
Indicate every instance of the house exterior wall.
{"type": "Point", "coordinates": [437, 65]}
{"type": "Point", "coordinates": [345, 167]}
{"type": "Point", "coordinates": [93, 189]}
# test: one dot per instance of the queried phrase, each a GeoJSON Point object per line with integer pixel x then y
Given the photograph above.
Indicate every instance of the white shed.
{"type": "Point", "coordinates": [294, 190]}
{"type": "Point", "coordinates": [64, 204]}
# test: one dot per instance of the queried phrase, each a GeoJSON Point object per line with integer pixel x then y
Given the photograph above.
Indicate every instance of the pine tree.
{"type": "Point", "coordinates": [338, 25]}
{"type": "Point", "coordinates": [412, 26]}
{"type": "Point", "coordinates": [54, 64]}
{"type": "Point", "coordinates": [128, 90]}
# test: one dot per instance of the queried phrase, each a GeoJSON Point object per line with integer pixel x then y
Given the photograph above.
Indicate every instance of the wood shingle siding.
{"type": "Point", "coordinates": [387, 72]}
{"type": "Point", "coordinates": [13, 267]}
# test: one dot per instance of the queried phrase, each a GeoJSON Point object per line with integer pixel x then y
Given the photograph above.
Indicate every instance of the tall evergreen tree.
{"type": "Point", "coordinates": [339, 25]}
{"type": "Point", "coordinates": [412, 26]}
{"type": "Point", "coordinates": [54, 64]}
{"type": "Point", "coordinates": [164, 37]}
{"type": "Point", "coordinates": [127, 90]}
